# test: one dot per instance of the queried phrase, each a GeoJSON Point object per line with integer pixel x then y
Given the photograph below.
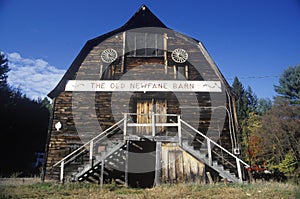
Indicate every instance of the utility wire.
{"type": "Point", "coordinates": [255, 77]}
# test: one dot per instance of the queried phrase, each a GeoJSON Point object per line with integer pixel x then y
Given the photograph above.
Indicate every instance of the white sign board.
{"type": "Point", "coordinates": [143, 85]}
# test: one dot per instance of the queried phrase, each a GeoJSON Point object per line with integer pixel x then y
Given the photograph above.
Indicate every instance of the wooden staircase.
{"type": "Point", "coordinates": [110, 164]}
{"type": "Point", "coordinates": [224, 173]}
{"type": "Point", "coordinates": [213, 155]}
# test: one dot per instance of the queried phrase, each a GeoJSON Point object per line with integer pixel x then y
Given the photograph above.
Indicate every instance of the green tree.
{"type": "Point", "coordinates": [264, 105]}
{"type": "Point", "coordinates": [280, 133]}
{"type": "Point", "coordinates": [248, 120]}
{"type": "Point", "coordinates": [289, 85]}
{"type": "Point", "coordinates": [251, 139]}
{"type": "Point", "coordinates": [5, 91]}
{"type": "Point", "coordinates": [288, 165]}
{"type": "Point", "coordinates": [3, 71]}
{"type": "Point", "coordinates": [242, 101]}
{"type": "Point", "coordinates": [252, 100]}
{"type": "Point", "coordinates": [23, 127]}
{"type": "Point", "coordinates": [46, 103]}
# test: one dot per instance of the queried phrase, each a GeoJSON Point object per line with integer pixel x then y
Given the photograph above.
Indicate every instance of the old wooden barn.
{"type": "Point", "coordinates": [143, 105]}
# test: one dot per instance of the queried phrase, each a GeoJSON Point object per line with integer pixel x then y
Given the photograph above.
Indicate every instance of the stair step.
{"type": "Point", "coordinates": [114, 165]}
{"type": "Point", "coordinates": [193, 151]}
{"type": "Point", "coordinates": [105, 173]}
{"type": "Point", "coordinates": [185, 142]}
{"type": "Point", "coordinates": [215, 163]}
{"type": "Point", "coordinates": [201, 155]}
{"type": "Point", "coordinates": [227, 172]}
{"type": "Point", "coordinates": [91, 179]}
{"type": "Point", "coordinates": [120, 181]}
{"type": "Point", "coordinates": [204, 151]}
{"type": "Point", "coordinates": [113, 158]}
{"type": "Point", "coordinates": [80, 179]}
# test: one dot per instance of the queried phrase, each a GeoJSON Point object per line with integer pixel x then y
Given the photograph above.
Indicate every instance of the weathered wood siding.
{"type": "Point", "coordinates": [179, 166]}
{"type": "Point", "coordinates": [82, 113]}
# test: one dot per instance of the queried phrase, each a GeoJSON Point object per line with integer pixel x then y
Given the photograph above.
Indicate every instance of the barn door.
{"type": "Point", "coordinates": [144, 109]}
{"type": "Point", "coordinates": [161, 109]}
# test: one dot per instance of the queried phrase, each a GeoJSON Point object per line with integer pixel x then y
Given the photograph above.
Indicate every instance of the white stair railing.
{"type": "Point", "coordinates": [88, 146]}
{"type": "Point", "coordinates": [126, 124]}
{"type": "Point", "coordinates": [210, 142]}
{"type": "Point", "coordinates": [153, 124]}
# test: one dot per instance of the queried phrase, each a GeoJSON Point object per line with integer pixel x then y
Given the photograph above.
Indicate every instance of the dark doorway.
{"type": "Point", "coordinates": [141, 164]}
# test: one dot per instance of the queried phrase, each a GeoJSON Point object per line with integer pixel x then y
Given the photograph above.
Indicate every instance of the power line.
{"type": "Point", "coordinates": [255, 77]}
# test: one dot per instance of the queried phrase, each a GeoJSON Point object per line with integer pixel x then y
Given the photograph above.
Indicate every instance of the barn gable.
{"type": "Point", "coordinates": [142, 18]}
{"type": "Point", "coordinates": [143, 103]}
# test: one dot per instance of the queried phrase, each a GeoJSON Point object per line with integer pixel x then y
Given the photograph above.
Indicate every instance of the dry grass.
{"type": "Point", "coordinates": [82, 190]}
{"type": "Point", "coordinates": [19, 181]}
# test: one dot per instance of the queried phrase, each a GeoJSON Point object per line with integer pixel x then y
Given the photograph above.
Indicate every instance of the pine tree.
{"type": "Point", "coordinates": [252, 100]}
{"type": "Point", "coordinates": [264, 105]}
{"type": "Point", "coordinates": [23, 127]}
{"type": "Point", "coordinates": [289, 85]}
{"type": "Point", "coordinates": [242, 101]}
{"type": "Point", "coordinates": [3, 71]}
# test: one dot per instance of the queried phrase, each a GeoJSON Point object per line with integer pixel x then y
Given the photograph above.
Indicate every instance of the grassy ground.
{"type": "Point", "coordinates": [28, 189]}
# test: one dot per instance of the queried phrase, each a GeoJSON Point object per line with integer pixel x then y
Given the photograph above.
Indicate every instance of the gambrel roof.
{"type": "Point", "coordinates": [142, 18]}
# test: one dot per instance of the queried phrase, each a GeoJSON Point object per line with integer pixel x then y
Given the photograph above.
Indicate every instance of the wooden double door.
{"type": "Point", "coordinates": [145, 109]}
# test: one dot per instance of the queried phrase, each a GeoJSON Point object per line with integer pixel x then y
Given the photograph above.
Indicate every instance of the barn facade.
{"type": "Point", "coordinates": [143, 105]}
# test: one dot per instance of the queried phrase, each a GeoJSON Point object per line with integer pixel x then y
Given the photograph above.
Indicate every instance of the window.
{"type": "Point", "coordinates": [140, 44]}
{"type": "Point", "coordinates": [181, 72]}
{"type": "Point", "coordinates": [108, 72]}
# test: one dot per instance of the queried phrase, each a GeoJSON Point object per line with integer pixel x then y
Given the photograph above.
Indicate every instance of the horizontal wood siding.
{"type": "Point", "coordinates": [83, 113]}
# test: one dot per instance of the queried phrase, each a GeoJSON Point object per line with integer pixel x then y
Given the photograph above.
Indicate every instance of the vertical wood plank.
{"type": "Point", "coordinates": [101, 71]}
{"type": "Point", "coordinates": [113, 71]}
{"type": "Point", "coordinates": [209, 178]}
{"type": "Point", "coordinates": [146, 118]}
{"type": "Point", "coordinates": [158, 163]}
{"type": "Point", "coordinates": [209, 152]}
{"type": "Point", "coordinates": [186, 71]}
{"type": "Point", "coordinates": [175, 72]}
{"type": "Point", "coordinates": [125, 127]}
{"type": "Point", "coordinates": [126, 164]}
{"type": "Point", "coordinates": [123, 52]}
{"type": "Point", "coordinates": [172, 165]}
{"type": "Point", "coordinates": [165, 52]}
{"type": "Point", "coordinates": [101, 173]}
{"type": "Point", "coordinates": [164, 112]}
{"type": "Point", "coordinates": [165, 164]}
{"type": "Point", "coordinates": [201, 173]}
{"type": "Point", "coordinates": [179, 166]}
{"type": "Point", "coordinates": [138, 119]}
{"type": "Point", "coordinates": [187, 168]}
{"type": "Point", "coordinates": [194, 169]}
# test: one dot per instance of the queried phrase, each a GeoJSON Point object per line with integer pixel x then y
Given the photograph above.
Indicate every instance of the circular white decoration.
{"type": "Point", "coordinates": [109, 55]}
{"type": "Point", "coordinates": [179, 55]}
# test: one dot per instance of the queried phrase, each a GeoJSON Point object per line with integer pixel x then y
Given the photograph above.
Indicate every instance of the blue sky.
{"type": "Point", "coordinates": [246, 38]}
